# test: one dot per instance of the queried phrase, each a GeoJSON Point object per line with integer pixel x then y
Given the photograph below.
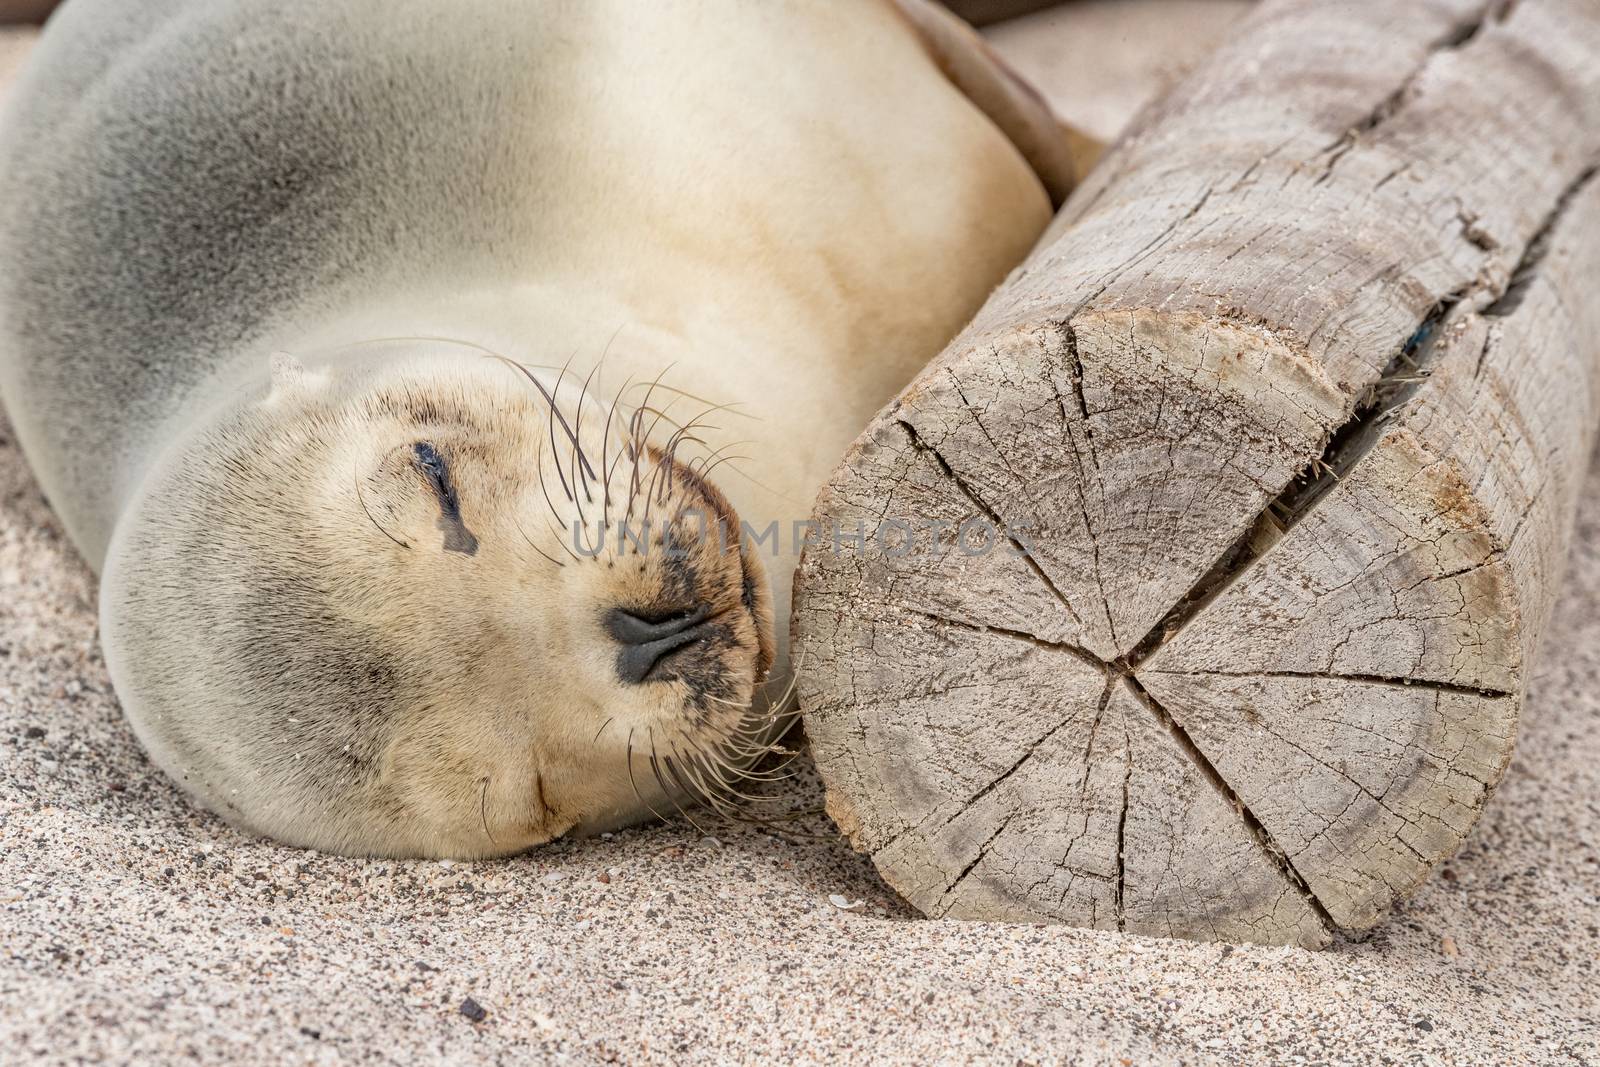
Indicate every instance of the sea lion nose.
{"type": "Point", "coordinates": [647, 639]}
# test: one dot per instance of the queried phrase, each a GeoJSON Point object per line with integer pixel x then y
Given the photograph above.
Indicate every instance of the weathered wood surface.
{"type": "Point", "coordinates": [1290, 410]}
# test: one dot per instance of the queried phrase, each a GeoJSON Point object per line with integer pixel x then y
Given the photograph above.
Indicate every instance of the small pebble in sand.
{"type": "Point", "coordinates": [603, 876]}
{"type": "Point", "coordinates": [1447, 945]}
{"type": "Point", "coordinates": [473, 1010]}
{"type": "Point", "coordinates": [844, 903]}
{"type": "Point", "coordinates": [34, 733]}
{"type": "Point", "coordinates": [49, 767]}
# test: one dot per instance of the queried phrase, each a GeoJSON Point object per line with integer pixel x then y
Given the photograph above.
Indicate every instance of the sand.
{"type": "Point", "coordinates": [136, 929]}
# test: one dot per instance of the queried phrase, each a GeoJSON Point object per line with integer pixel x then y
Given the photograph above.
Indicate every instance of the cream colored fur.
{"type": "Point", "coordinates": [787, 207]}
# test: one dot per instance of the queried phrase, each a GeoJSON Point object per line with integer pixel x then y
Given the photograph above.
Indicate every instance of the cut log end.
{"type": "Point", "coordinates": [1192, 590]}
{"type": "Point", "coordinates": [1029, 703]}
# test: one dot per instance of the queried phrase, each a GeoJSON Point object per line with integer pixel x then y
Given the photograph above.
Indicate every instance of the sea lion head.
{"type": "Point", "coordinates": [431, 604]}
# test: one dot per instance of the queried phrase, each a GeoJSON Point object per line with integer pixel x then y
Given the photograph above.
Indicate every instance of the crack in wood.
{"type": "Point", "coordinates": [1458, 37]}
{"type": "Point", "coordinates": [1538, 248]}
{"type": "Point", "coordinates": [1070, 339]}
{"type": "Point", "coordinates": [983, 849]}
{"type": "Point", "coordinates": [1363, 679]}
{"type": "Point", "coordinates": [1015, 635]}
{"type": "Point", "coordinates": [1404, 376]}
{"type": "Point", "coordinates": [1119, 901]}
{"type": "Point", "coordinates": [1262, 837]}
{"type": "Point", "coordinates": [989, 513]}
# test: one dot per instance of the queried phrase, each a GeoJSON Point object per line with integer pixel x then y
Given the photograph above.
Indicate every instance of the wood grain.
{"type": "Point", "coordinates": [1287, 417]}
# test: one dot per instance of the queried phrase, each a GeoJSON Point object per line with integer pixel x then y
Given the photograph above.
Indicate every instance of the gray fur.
{"type": "Point", "coordinates": [179, 177]}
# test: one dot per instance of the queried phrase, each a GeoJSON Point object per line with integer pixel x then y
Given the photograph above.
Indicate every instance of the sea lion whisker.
{"type": "Point", "coordinates": [692, 396]}
{"type": "Point", "coordinates": [635, 453]}
{"type": "Point", "coordinates": [578, 475]}
{"type": "Point", "coordinates": [698, 421]}
{"type": "Point", "coordinates": [561, 540]}
{"type": "Point", "coordinates": [757, 734]}
{"type": "Point", "coordinates": [753, 722]}
{"type": "Point", "coordinates": [641, 440]}
{"type": "Point", "coordinates": [670, 453]}
{"type": "Point", "coordinates": [628, 758]}
{"type": "Point", "coordinates": [661, 416]}
{"type": "Point", "coordinates": [625, 450]}
{"type": "Point", "coordinates": [668, 456]}
{"type": "Point", "coordinates": [605, 442]}
{"type": "Point", "coordinates": [760, 746]}
{"type": "Point", "coordinates": [714, 770]}
{"type": "Point", "coordinates": [650, 488]}
{"type": "Point", "coordinates": [602, 730]}
{"type": "Point", "coordinates": [735, 747]}
{"type": "Point", "coordinates": [711, 456]}
{"type": "Point", "coordinates": [725, 459]}
{"type": "Point", "coordinates": [655, 768]}
{"type": "Point", "coordinates": [611, 409]}
{"type": "Point", "coordinates": [363, 502]}
{"type": "Point", "coordinates": [483, 812]}
{"type": "Point", "coordinates": [767, 774]}
{"type": "Point", "coordinates": [555, 415]}
{"type": "Point", "coordinates": [745, 746]}
{"type": "Point", "coordinates": [577, 416]}
{"type": "Point", "coordinates": [708, 790]}
{"type": "Point", "coordinates": [554, 514]}
{"type": "Point", "coordinates": [583, 520]}
{"type": "Point", "coordinates": [794, 680]}
{"type": "Point", "coordinates": [743, 814]}
{"type": "Point", "coordinates": [751, 754]}
{"type": "Point", "coordinates": [533, 546]}
{"type": "Point", "coordinates": [555, 457]}
{"type": "Point", "coordinates": [694, 791]}
{"type": "Point", "coordinates": [660, 413]}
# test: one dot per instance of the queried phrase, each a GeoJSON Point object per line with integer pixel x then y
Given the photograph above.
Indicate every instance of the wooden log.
{"type": "Point", "coordinates": [1285, 421]}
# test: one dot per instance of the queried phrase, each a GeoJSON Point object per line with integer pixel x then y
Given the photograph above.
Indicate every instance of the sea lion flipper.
{"type": "Point", "coordinates": [1059, 153]}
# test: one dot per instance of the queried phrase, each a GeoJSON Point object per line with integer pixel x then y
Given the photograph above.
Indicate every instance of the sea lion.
{"type": "Point", "coordinates": [287, 298]}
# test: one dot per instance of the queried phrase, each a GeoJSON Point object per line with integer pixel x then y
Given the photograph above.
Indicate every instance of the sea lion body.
{"type": "Point", "coordinates": [785, 206]}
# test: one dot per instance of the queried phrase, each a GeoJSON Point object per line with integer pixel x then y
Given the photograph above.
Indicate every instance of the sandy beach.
{"type": "Point", "coordinates": [136, 928]}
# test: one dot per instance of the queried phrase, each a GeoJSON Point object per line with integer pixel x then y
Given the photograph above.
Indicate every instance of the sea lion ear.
{"type": "Point", "coordinates": [291, 380]}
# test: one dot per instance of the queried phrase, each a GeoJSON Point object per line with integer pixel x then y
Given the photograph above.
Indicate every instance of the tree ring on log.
{"type": "Point", "coordinates": [1267, 549]}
